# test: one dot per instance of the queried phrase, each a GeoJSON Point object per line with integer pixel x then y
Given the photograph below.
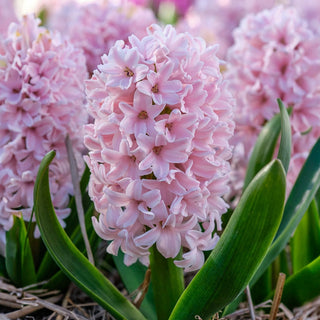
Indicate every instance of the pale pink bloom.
{"type": "Point", "coordinates": [146, 47]}
{"type": "Point", "coordinates": [160, 153]}
{"type": "Point", "coordinates": [166, 237]}
{"type": "Point", "coordinates": [140, 117]}
{"type": "Point", "coordinates": [157, 85]}
{"type": "Point", "coordinates": [107, 229]}
{"type": "Point", "coordinates": [95, 27]}
{"type": "Point", "coordinates": [215, 20]}
{"type": "Point", "coordinates": [158, 146]}
{"type": "Point", "coordinates": [198, 241]}
{"type": "Point", "coordinates": [176, 125]}
{"type": "Point", "coordinates": [122, 66]}
{"type": "Point", "coordinates": [41, 102]}
{"type": "Point", "coordinates": [126, 157]}
{"type": "Point", "coordinates": [275, 55]}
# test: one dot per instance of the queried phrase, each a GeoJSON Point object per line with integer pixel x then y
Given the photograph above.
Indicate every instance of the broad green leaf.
{"type": "Point", "coordinates": [132, 277]}
{"type": "Point", "coordinates": [48, 267]}
{"type": "Point", "coordinates": [167, 283]}
{"type": "Point", "coordinates": [305, 244]}
{"type": "Point", "coordinates": [263, 150]}
{"type": "Point", "coordinates": [69, 258]}
{"type": "Point", "coordinates": [241, 248]}
{"type": "Point", "coordinates": [284, 153]}
{"type": "Point", "coordinates": [297, 204]}
{"type": "Point", "coordinates": [302, 286]}
{"type": "Point", "coordinates": [59, 280]}
{"type": "Point", "coordinates": [19, 259]}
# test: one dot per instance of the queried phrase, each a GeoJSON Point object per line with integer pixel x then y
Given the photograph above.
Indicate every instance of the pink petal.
{"type": "Point", "coordinates": [147, 239]}
{"type": "Point", "coordinates": [169, 243]}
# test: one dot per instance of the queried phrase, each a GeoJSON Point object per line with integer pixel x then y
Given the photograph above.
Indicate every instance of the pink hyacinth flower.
{"type": "Point", "coordinates": [41, 103]}
{"type": "Point", "coordinates": [275, 55]}
{"type": "Point", "coordinates": [159, 146]}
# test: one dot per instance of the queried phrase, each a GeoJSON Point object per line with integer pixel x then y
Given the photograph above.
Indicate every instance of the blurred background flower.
{"type": "Point", "coordinates": [276, 54]}
{"type": "Point", "coordinates": [7, 15]}
{"type": "Point", "coordinates": [41, 102]}
{"type": "Point", "coordinates": [95, 27]}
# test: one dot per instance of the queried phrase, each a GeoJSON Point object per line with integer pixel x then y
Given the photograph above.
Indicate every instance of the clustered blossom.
{"type": "Point", "coordinates": [7, 15]}
{"type": "Point", "coordinates": [41, 102]}
{"type": "Point", "coordinates": [275, 55]}
{"type": "Point", "coordinates": [158, 147]}
{"type": "Point", "coordinates": [95, 27]}
{"type": "Point", "coordinates": [215, 20]}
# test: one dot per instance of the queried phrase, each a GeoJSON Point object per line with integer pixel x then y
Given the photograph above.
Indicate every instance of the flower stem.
{"type": "Point", "coordinates": [167, 282]}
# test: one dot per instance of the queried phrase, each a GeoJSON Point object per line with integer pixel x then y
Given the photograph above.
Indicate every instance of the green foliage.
{"type": "Point", "coordinates": [19, 260]}
{"type": "Point", "coordinates": [297, 204]}
{"type": "Point", "coordinates": [305, 244]}
{"type": "Point", "coordinates": [241, 248]}
{"type": "Point", "coordinates": [284, 153]}
{"type": "Point", "coordinates": [263, 150]}
{"type": "Point", "coordinates": [251, 247]}
{"type": "Point", "coordinates": [132, 277]}
{"type": "Point", "coordinates": [50, 270]}
{"type": "Point", "coordinates": [302, 286]}
{"type": "Point", "coordinates": [264, 147]}
{"type": "Point", "coordinates": [168, 283]}
{"type": "Point", "coordinates": [69, 258]}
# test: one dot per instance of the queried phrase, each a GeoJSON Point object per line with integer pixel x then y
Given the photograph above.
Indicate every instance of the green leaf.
{"type": "Point", "coordinates": [284, 153]}
{"type": "Point", "coordinates": [233, 306]}
{"type": "Point", "coordinates": [241, 248]}
{"type": "Point", "coordinates": [268, 281]}
{"type": "Point", "coordinates": [167, 282]}
{"type": "Point", "coordinates": [263, 150]}
{"type": "Point", "coordinates": [3, 270]}
{"type": "Point", "coordinates": [317, 199]}
{"type": "Point", "coordinates": [263, 286]}
{"type": "Point", "coordinates": [19, 259]}
{"type": "Point", "coordinates": [302, 286]}
{"type": "Point", "coordinates": [305, 244]}
{"type": "Point", "coordinates": [297, 204]}
{"type": "Point", "coordinates": [69, 258]}
{"type": "Point", "coordinates": [48, 267]}
{"type": "Point", "coordinates": [132, 277]}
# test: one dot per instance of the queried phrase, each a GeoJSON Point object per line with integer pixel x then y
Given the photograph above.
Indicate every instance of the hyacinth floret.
{"type": "Point", "coordinates": [159, 146]}
{"type": "Point", "coordinates": [41, 102]}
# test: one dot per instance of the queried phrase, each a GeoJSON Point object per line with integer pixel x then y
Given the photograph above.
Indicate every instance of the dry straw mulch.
{"type": "Point", "coordinates": [32, 304]}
